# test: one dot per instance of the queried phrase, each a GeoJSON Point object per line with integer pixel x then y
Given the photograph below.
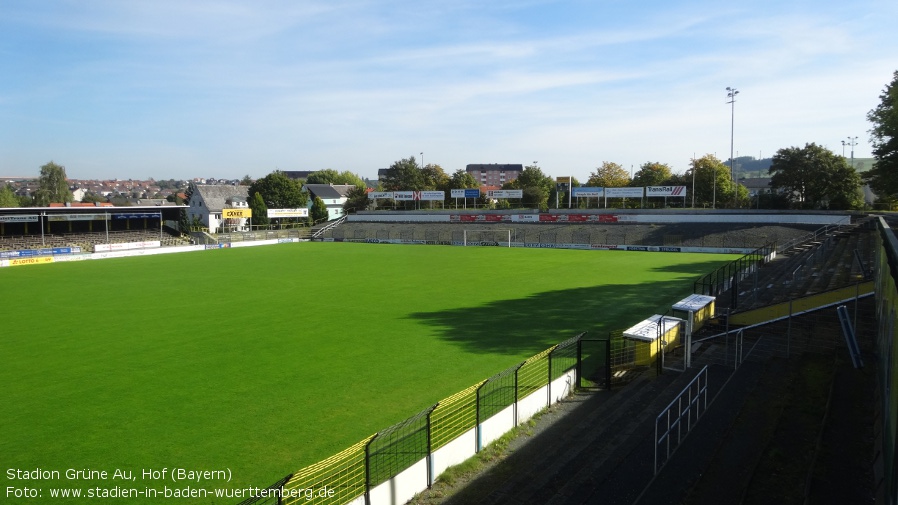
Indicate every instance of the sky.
{"type": "Point", "coordinates": [184, 89]}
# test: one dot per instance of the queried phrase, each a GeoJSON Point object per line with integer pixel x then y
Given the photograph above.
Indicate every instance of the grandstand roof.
{"type": "Point", "coordinates": [506, 167]}
{"type": "Point", "coordinates": [215, 197]}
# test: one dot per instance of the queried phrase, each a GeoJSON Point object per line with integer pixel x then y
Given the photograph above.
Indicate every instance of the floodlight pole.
{"type": "Point", "coordinates": [852, 141]}
{"type": "Point", "coordinates": [731, 94]}
{"type": "Point", "coordinates": [693, 180]}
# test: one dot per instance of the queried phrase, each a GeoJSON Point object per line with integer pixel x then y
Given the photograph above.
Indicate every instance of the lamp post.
{"type": "Point", "coordinates": [731, 94]}
{"type": "Point", "coordinates": [852, 141]}
{"type": "Point", "coordinates": [422, 159]}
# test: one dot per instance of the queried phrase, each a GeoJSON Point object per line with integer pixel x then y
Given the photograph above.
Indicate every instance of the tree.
{"type": "Point", "coordinates": [93, 198]}
{"type": "Point", "coordinates": [652, 174]}
{"type": "Point", "coordinates": [609, 175]}
{"type": "Point", "coordinates": [356, 200]}
{"type": "Point", "coordinates": [883, 177]}
{"type": "Point", "coordinates": [175, 198]}
{"type": "Point", "coordinates": [184, 224]}
{"type": "Point", "coordinates": [403, 175]}
{"type": "Point", "coordinates": [713, 185]}
{"type": "Point", "coordinates": [435, 177]}
{"type": "Point", "coordinates": [279, 191]}
{"type": "Point", "coordinates": [52, 186]}
{"type": "Point", "coordinates": [246, 181]}
{"type": "Point", "coordinates": [536, 187]}
{"type": "Point", "coordinates": [461, 179]}
{"type": "Point", "coordinates": [319, 211]}
{"type": "Point", "coordinates": [259, 209]}
{"type": "Point", "coordinates": [8, 197]}
{"type": "Point", "coordinates": [814, 177]}
{"type": "Point", "coordinates": [331, 176]}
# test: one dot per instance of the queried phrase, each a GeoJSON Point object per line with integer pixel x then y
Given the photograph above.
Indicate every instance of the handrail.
{"type": "Point", "coordinates": [824, 230]}
{"type": "Point", "coordinates": [330, 225]}
{"type": "Point", "coordinates": [693, 404]}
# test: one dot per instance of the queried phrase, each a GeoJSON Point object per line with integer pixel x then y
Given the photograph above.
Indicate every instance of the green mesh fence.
{"type": "Point", "coordinates": [398, 447]}
{"type": "Point", "coordinates": [351, 473]}
{"type": "Point", "coordinates": [344, 473]}
{"type": "Point", "coordinates": [496, 393]}
{"type": "Point", "coordinates": [564, 356]}
{"type": "Point", "coordinates": [453, 416]}
{"type": "Point", "coordinates": [534, 373]}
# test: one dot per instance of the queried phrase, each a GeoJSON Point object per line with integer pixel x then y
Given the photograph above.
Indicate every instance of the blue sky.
{"type": "Point", "coordinates": [183, 89]}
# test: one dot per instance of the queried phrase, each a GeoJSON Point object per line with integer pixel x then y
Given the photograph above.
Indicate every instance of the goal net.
{"type": "Point", "coordinates": [492, 237]}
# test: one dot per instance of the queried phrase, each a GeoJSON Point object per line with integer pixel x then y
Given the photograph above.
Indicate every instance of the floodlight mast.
{"type": "Point", "coordinates": [731, 94]}
{"type": "Point", "coordinates": [852, 141]}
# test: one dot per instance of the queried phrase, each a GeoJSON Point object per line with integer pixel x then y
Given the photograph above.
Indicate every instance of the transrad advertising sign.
{"type": "Point", "coordinates": [679, 191]}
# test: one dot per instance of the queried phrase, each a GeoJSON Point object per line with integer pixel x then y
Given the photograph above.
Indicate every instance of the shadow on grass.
{"type": "Point", "coordinates": [533, 323]}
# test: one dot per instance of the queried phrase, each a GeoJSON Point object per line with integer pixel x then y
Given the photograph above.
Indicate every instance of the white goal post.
{"type": "Point", "coordinates": [489, 237]}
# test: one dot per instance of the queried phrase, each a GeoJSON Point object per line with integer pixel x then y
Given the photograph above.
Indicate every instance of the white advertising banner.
{"type": "Point", "coordinates": [380, 194]}
{"type": "Point", "coordinates": [525, 218]}
{"type": "Point", "coordinates": [679, 191]}
{"type": "Point", "coordinates": [77, 217]}
{"type": "Point", "coordinates": [586, 192]}
{"type": "Point", "coordinates": [126, 246]}
{"type": "Point", "coordinates": [403, 195]}
{"type": "Point", "coordinates": [624, 192]}
{"type": "Point", "coordinates": [438, 196]}
{"type": "Point", "coordinates": [506, 193]}
{"type": "Point", "coordinates": [273, 213]}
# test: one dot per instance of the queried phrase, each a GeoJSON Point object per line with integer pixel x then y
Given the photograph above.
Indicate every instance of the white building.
{"type": "Point", "coordinates": [208, 202]}
{"type": "Point", "coordinates": [333, 196]}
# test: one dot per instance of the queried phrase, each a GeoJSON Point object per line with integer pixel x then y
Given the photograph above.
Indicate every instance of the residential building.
{"type": "Point", "coordinates": [333, 196]}
{"type": "Point", "coordinates": [208, 202]}
{"type": "Point", "coordinates": [495, 174]}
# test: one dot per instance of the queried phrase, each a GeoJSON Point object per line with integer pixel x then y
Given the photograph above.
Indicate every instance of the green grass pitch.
{"type": "Point", "coordinates": [266, 359]}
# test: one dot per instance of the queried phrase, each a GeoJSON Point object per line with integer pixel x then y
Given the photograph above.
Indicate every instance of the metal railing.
{"type": "Point", "coordinates": [677, 419]}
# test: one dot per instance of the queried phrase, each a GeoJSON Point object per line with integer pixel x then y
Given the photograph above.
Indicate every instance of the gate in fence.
{"type": "Point", "coordinates": [594, 364]}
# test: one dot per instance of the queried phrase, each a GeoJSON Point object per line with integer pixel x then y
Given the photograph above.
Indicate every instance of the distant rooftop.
{"type": "Point", "coordinates": [504, 167]}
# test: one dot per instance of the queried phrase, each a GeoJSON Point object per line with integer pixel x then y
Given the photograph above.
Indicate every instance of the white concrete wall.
{"type": "Point", "coordinates": [532, 403]}
{"type": "Point", "coordinates": [358, 501]}
{"type": "Point", "coordinates": [454, 452]}
{"type": "Point", "coordinates": [403, 487]}
{"type": "Point", "coordinates": [496, 426]}
{"type": "Point", "coordinates": [564, 385]}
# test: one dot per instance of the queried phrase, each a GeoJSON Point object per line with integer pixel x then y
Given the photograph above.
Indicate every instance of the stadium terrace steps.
{"type": "Point", "coordinates": [598, 450]}
{"type": "Point", "coordinates": [669, 234]}
{"type": "Point", "coordinates": [762, 411]}
{"type": "Point", "coordinates": [817, 266]}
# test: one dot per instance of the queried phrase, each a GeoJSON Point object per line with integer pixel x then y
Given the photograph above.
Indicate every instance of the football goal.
{"type": "Point", "coordinates": [500, 237]}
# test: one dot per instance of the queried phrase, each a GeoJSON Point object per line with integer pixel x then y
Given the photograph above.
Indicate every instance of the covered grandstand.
{"type": "Point", "coordinates": [85, 228]}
